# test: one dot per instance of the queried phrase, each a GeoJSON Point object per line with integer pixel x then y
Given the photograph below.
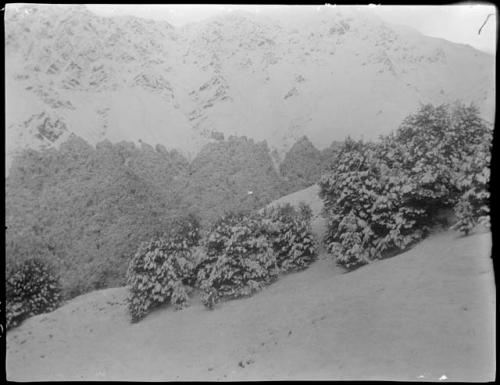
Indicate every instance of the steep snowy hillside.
{"type": "Point", "coordinates": [422, 315]}
{"type": "Point", "coordinates": [276, 77]}
{"type": "Point", "coordinates": [329, 76]}
{"type": "Point", "coordinates": [69, 70]}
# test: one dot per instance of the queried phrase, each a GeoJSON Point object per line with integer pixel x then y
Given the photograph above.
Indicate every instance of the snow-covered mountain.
{"type": "Point", "coordinates": [275, 77]}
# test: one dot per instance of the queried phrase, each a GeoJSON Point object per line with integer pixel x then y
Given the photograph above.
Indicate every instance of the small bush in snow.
{"type": "Point", "coordinates": [473, 204]}
{"type": "Point", "coordinates": [31, 288]}
{"type": "Point", "coordinates": [288, 231]}
{"type": "Point", "coordinates": [238, 259]}
{"type": "Point", "coordinates": [158, 274]}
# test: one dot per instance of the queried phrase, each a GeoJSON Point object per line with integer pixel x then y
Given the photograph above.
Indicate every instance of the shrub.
{"type": "Point", "coordinates": [31, 288]}
{"type": "Point", "coordinates": [158, 274]}
{"type": "Point", "coordinates": [288, 231]}
{"type": "Point", "coordinates": [473, 182]}
{"type": "Point", "coordinates": [238, 259]}
{"type": "Point", "coordinates": [380, 197]}
{"type": "Point", "coordinates": [447, 153]}
{"type": "Point", "coordinates": [363, 201]}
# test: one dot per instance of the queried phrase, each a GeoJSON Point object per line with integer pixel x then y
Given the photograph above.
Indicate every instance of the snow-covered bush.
{"type": "Point", "coordinates": [364, 204]}
{"type": "Point", "coordinates": [383, 196]}
{"type": "Point", "coordinates": [446, 153]}
{"type": "Point", "coordinates": [288, 231]}
{"type": "Point", "coordinates": [238, 260]}
{"type": "Point", "coordinates": [158, 274]}
{"type": "Point", "coordinates": [473, 183]}
{"type": "Point", "coordinates": [31, 288]}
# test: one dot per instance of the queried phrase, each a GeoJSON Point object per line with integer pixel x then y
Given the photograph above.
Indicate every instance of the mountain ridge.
{"type": "Point", "coordinates": [328, 75]}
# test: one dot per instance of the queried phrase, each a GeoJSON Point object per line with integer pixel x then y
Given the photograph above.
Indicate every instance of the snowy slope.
{"type": "Point", "coordinates": [275, 77]}
{"type": "Point", "coordinates": [418, 316]}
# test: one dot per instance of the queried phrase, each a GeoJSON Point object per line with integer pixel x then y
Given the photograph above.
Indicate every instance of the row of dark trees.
{"type": "Point", "coordinates": [85, 209]}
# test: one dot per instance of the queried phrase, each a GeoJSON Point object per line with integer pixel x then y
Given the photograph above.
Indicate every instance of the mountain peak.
{"type": "Point", "coordinates": [273, 75]}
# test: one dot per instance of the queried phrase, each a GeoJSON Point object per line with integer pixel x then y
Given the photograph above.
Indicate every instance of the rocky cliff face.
{"type": "Point", "coordinates": [275, 77]}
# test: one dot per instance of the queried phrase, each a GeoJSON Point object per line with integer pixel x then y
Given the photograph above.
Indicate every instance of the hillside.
{"type": "Point", "coordinates": [421, 315]}
{"type": "Point", "coordinates": [232, 175]}
{"type": "Point", "coordinates": [121, 129]}
{"type": "Point", "coordinates": [302, 165]}
{"type": "Point", "coordinates": [87, 208]}
{"type": "Point", "coordinates": [272, 77]}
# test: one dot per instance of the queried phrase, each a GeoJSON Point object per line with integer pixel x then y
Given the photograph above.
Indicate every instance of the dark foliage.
{"type": "Point", "coordinates": [186, 229]}
{"type": "Point", "coordinates": [158, 274]}
{"type": "Point", "coordinates": [86, 209]}
{"type": "Point", "coordinates": [383, 196]}
{"type": "Point", "coordinates": [31, 288]}
{"type": "Point", "coordinates": [238, 260]}
{"type": "Point", "coordinates": [235, 174]}
{"type": "Point", "coordinates": [302, 165]}
{"type": "Point", "coordinates": [288, 231]}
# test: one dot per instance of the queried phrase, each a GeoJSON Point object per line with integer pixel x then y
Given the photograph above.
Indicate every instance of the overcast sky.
{"type": "Point", "coordinates": [458, 23]}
